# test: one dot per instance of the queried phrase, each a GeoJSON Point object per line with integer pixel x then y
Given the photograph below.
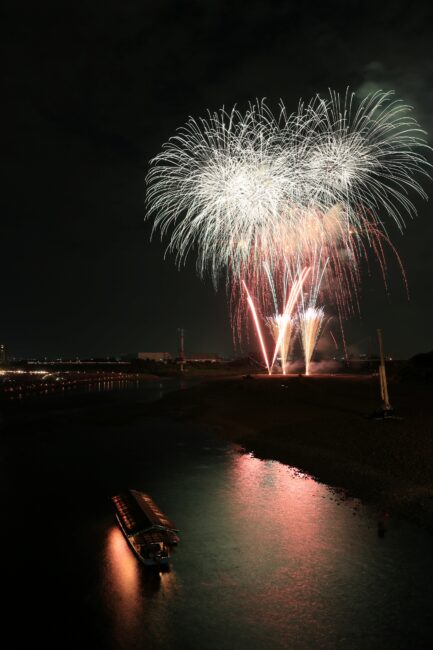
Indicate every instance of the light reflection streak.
{"type": "Point", "coordinates": [296, 520]}
{"type": "Point", "coordinates": [122, 575]}
{"type": "Point", "coordinates": [137, 597]}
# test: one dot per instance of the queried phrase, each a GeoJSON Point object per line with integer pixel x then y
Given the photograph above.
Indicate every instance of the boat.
{"type": "Point", "coordinates": [148, 531]}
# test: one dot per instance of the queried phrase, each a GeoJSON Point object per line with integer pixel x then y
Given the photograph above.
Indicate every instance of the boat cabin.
{"type": "Point", "coordinates": [147, 529]}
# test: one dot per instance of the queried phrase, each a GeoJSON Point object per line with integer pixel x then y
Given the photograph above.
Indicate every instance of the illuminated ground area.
{"type": "Point", "coordinates": [323, 425]}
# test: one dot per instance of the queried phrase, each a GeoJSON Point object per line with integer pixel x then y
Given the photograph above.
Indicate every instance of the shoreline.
{"type": "Point", "coordinates": [322, 425]}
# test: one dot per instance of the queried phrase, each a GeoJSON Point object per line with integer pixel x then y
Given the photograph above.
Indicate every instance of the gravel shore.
{"type": "Point", "coordinates": [324, 426]}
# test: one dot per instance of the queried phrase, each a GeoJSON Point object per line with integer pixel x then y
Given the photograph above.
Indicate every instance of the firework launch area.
{"type": "Point", "coordinates": [323, 425]}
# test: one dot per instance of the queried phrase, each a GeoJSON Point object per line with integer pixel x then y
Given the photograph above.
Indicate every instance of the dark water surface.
{"type": "Point", "coordinates": [268, 557]}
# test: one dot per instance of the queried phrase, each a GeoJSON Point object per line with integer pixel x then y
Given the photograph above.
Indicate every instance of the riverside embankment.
{"type": "Point", "coordinates": [323, 425]}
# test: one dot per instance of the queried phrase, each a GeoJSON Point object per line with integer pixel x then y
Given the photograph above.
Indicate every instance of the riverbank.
{"type": "Point", "coordinates": [323, 426]}
{"type": "Point", "coordinates": [21, 385]}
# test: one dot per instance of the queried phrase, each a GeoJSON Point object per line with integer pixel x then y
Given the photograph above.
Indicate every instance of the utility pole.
{"type": "Point", "coordinates": [181, 348]}
{"type": "Point", "coordinates": [387, 408]}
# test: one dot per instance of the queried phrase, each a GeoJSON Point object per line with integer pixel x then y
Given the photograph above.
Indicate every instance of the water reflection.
{"type": "Point", "coordinates": [267, 558]}
{"type": "Point", "coordinates": [122, 585]}
{"type": "Point", "coordinates": [135, 596]}
{"type": "Point", "coordinates": [287, 538]}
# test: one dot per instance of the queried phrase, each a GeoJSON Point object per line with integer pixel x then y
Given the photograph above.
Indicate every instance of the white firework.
{"type": "Point", "coordinates": [283, 329]}
{"type": "Point", "coordinates": [365, 158]}
{"type": "Point", "coordinates": [254, 188]}
{"type": "Point", "coordinates": [222, 183]}
{"type": "Point", "coordinates": [310, 325]}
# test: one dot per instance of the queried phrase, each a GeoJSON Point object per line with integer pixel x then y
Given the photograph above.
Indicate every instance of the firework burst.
{"type": "Point", "coordinates": [247, 188]}
{"type": "Point", "coordinates": [261, 196]}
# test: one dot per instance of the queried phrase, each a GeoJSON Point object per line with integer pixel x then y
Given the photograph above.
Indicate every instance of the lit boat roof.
{"type": "Point", "coordinates": [151, 510]}
{"type": "Point", "coordinates": [138, 512]}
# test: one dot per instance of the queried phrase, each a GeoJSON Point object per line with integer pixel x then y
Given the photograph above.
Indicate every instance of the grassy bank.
{"type": "Point", "coordinates": [323, 426]}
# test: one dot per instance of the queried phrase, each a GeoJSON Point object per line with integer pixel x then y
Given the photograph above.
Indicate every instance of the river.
{"type": "Point", "coordinates": [268, 557]}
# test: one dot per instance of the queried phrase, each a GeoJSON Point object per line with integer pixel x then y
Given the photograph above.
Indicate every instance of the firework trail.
{"type": "Point", "coordinates": [294, 294]}
{"type": "Point", "coordinates": [258, 328]}
{"type": "Point", "coordinates": [310, 324]}
{"type": "Point", "coordinates": [282, 323]}
{"type": "Point", "coordinates": [286, 324]}
{"type": "Point", "coordinates": [334, 339]}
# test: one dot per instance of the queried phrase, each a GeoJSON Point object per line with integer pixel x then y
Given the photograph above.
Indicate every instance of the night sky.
{"type": "Point", "coordinates": [92, 90]}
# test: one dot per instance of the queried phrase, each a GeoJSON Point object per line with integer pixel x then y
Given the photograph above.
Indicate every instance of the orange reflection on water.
{"type": "Point", "coordinates": [278, 496]}
{"type": "Point", "coordinates": [124, 564]}
{"type": "Point", "coordinates": [122, 578]}
{"type": "Point", "coordinates": [167, 583]}
{"type": "Point", "coordinates": [295, 519]}
{"type": "Point", "coordinates": [136, 597]}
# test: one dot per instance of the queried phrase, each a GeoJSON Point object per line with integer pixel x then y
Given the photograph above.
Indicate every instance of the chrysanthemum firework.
{"type": "Point", "coordinates": [367, 158]}
{"type": "Point", "coordinates": [253, 187]}
{"type": "Point", "coordinates": [220, 185]}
